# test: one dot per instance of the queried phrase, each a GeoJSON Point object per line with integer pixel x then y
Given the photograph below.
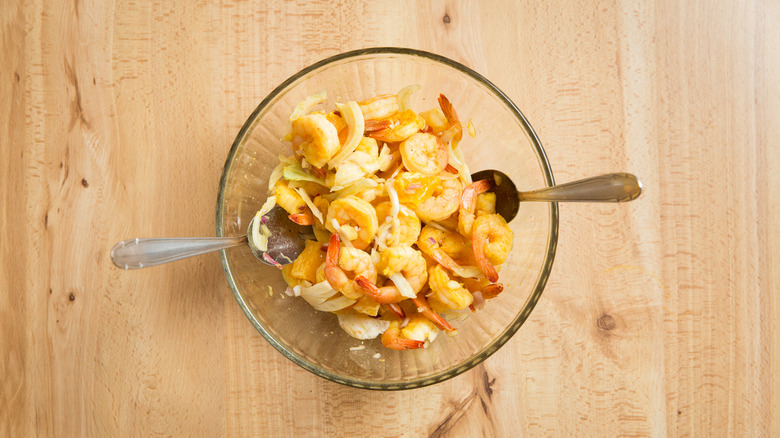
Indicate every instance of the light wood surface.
{"type": "Point", "coordinates": [660, 318]}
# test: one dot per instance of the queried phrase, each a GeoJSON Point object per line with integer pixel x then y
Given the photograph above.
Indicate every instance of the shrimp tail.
{"type": "Point", "coordinates": [395, 309]}
{"type": "Point", "coordinates": [492, 290]}
{"type": "Point", "coordinates": [332, 260]}
{"type": "Point", "coordinates": [425, 309]}
{"type": "Point", "coordinates": [384, 295]}
{"type": "Point", "coordinates": [468, 200]}
{"type": "Point", "coordinates": [443, 259]}
{"type": "Point", "coordinates": [478, 245]}
{"type": "Point", "coordinates": [392, 339]}
{"type": "Point", "coordinates": [302, 218]}
{"type": "Point", "coordinates": [377, 125]}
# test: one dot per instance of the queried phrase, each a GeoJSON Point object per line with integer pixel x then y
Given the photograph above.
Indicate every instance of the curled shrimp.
{"type": "Point", "coordinates": [424, 153]}
{"type": "Point", "coordinates": [355, 217]}
{"type": "Point", "coordinates": [454, 131]}
{"type": "Point", "coordinates": [425, 309]}
{"type": "Point", "coordinates": [316, 137]}
{"type": "Point", "coordinates": [403, 125]}
{"type": "Point", "coordinates": [379, 107]}
{"type": "Point", "coordinates": [341, 261]}
{"type": "Point", "coordinates": [448, 291]}
{"type": "Point", "coordinates": [397, 259]}
{"type": "Point", "coordinates": [392, 339]}
{"type": "Point", "coordinates": [442, 246]}
{"type": "Point", "coordinates": [442, 205]}
{"type": "Point", "coordinates": [468, 204]}
{"type": "Point", "coordinates": [491, 241]}
{"type": "Point", "coordinates": [402, 233]}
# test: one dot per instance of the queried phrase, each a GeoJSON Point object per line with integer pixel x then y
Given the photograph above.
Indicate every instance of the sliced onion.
{"type": "Point", "coordinates": [306, 104]}
{"type": "Point", "coordinates": [356, 125]}
{"type": "Point", "coordinates": [317, 294]}
{"type": "Point", "coordinates": [404, 96]}
{"type": "Point", "coordinates": [402, 284]}
{"type": "Point", "coordinates": [479, 301]}
{"type": "Point", "coordinates": [337, 303]}
{"type": "Point", "coordinates": [314, 210]}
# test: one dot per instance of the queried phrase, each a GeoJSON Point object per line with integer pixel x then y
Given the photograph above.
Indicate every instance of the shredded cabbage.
{"type": "Point", "coordinates": [306, 104]}
{"type": "Point", "coordinates": [356, 125]}
{"type": "Point", "coordinates": [402, 284]}
{"type": "Point", "coordinates": [362, 326]}
{"type": "Point", "coordinates": [294, 172]}
{"type": "Point", "coordinates": [396, 206]}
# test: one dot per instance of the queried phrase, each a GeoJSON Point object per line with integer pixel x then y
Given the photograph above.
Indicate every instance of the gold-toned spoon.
{"type": "Point", "coordinates": [612, 187]}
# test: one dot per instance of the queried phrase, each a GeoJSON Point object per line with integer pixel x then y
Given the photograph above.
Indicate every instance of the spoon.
{"type": "Point", "coordinates": [612, 187]}
{"type": "Point", "coordinates": [284, 245]}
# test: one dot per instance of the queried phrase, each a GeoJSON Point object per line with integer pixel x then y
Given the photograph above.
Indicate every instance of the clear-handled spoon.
{"type": "Point", "coordinates": [612, 187]}
{"type": "Point", "coordinates": [284, 245]}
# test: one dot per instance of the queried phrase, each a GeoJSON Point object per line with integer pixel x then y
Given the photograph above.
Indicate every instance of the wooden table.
{"type": "Point", "coordinates": [660, 318]}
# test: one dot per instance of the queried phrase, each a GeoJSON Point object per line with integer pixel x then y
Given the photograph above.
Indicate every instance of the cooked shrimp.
{"type": "Point", "coordinates": [425, 309]}
{"type": "Point", "coordinates": [424, 153]}
{"type": "Point", "coordinates": [302, 218]}
{"type": "Point", "coordinates": [441, 205]}
{"type": "Point", "coordinates": [343, 260]}
{"type": "Point", "coordinates": [454, 131]}
{"type": "Point", "coordinates": [355, 217]}
{"type": "Point", "coordinates": [397, 260]}
{"type": "Point", "coordinates": [442, 246]}
{"type": "Point", "coordinates": [468, 204]}
{"type": "Point", "coordinates": [404, 125]}
{"type": "Point", "coordinates": [392, 339]}
{"type": "Point", "coordinates": [316, 136]}
{"type": "Point", "coordinates": [404, 232]}
{"type": "Point", "coordinates": [448, 291]}
{"type": "Point", "coordinates": [379, 107]}
{"type": "Point", "coordinates": [491, 241]}
{"type": "Point", "coordinates": [419, 328]}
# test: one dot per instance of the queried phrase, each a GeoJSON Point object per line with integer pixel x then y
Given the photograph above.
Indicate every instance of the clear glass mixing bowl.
{"type": "Point", "coordinates": [504, 141]}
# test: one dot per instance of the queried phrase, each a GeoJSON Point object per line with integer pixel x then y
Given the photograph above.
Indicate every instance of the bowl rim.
{"type": "Point", "coordinates": [533, 298]}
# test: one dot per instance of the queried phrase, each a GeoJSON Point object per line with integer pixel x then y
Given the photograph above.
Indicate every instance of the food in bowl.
{"type": "Point", "coordinates": [403, 239]}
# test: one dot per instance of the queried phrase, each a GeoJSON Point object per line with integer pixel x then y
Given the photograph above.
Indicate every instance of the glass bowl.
{"type": "Point", "coordinates": [504, 140]}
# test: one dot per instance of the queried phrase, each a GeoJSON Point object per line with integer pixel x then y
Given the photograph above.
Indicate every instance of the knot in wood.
{"type": "Point", "coordinates": [606, 322]}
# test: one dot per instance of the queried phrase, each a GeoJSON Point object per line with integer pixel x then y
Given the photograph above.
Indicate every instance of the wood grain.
{"type": "Point", "coordinates": [660, 318]}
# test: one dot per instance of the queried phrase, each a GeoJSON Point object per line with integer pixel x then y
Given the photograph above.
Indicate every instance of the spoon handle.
{"type": "Point", "coordinates": [612, 187]}
{"type": "Point", "coordinates": [140, 253]}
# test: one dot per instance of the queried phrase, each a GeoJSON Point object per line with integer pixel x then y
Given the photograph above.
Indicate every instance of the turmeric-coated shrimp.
{"type": "Point", "coordinates": [491, 241]}
{"type": "Point", "coordinates": [442, 246]}
{"type": "Point", "coordinates": [392, 339]}
{"type": "Point", "coordinates": [454, 131]}
{"type": "Point", "coordinates": [355, 217]}
{"type": "Point", "coordinates": [396, 260]}
{"type": "Point", "coordinates": [425, 309]}
{"type": "Point", "coordinates": [424, 153]}
{"type": "Point", "coordinates": [442, 205]}
{"type": "Point", "coordinates": [468, 204]}
{"type": "Point", "coordinates": [448, 291]}
{"type": "Point", "coordinates": [316, 136]}
{"type": "Point", "coordinates": [403, 125]}
{"type": "Point", "coordinates": [379, 107]}
{"type": "Point", "coordinates": [340, 261]}
{"type": "Point", "coordinates": [404, 232]}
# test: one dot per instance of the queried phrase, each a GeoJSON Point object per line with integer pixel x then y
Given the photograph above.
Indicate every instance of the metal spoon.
{"type": "Point", "coordinates": [284, 245]}
{"type": "Point", "coordinates": [612, 187]}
